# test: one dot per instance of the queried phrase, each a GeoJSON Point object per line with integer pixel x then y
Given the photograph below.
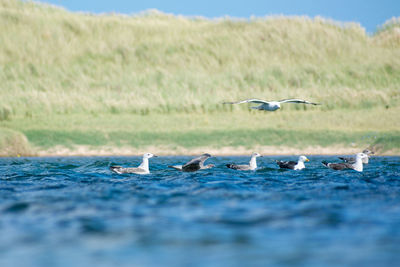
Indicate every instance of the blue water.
{"type": "Point", "coordinates": [75, 212]}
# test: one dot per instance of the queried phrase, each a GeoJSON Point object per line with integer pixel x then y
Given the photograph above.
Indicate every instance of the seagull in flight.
{"type": "Point", "coordinates": [271, 105]}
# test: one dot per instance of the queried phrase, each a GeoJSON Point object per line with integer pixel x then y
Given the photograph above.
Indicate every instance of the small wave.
{"type": "Point", "coordinates": [17, 207]}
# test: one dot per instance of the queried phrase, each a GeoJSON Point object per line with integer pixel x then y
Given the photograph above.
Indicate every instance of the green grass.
{"type": "Point", "coordinates": [13, 143]}
{"type": "Point", "coordinates": [69, 79]}
{"type": "Point", "coordinates": [300, 129]}
{"type": "Point", "coordinates": [203, 138]}
{"type": "Point", "coordinates": [54, 61]}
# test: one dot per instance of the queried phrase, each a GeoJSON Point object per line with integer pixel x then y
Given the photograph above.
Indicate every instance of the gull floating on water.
{"type": "Point", "coordinates": [195, 164]}
{"type": "Point", "coordinates": [250, 167]}
{"type": "Point", "coordinates": [352, 160]}
{"type": "Point", "coordinates": [293, 165]}
{"type": "Point", "coordinates": [141, 169]}
{"type": "Point", "coordinates": [357, 166]}
{"type": "Point", "coordinates": [271, 105]}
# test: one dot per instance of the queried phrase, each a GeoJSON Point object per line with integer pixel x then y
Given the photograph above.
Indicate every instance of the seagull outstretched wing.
{"type": "Point", "coordinates": [298, 101]}
{"type": "Point", "coordinates": [257, 101]}
{"type": "Point", "coordinates": [196, 163]}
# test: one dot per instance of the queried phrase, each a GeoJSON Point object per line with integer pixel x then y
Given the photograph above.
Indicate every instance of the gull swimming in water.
{"type": "Point", "coordinates": [141, 169]}
{"type": "Point", "coordinates": [357, 166]}
{"type": "Point", "coordinates": [293, 165]}
{"type": "Point", "coordinates": [271, 105]}
{"type": "Point", "coordinates": [353, 160]}
{"type": "Point", "coordinates": [195, 164]}
{"type": "Point", "coordinates": [250, 167]}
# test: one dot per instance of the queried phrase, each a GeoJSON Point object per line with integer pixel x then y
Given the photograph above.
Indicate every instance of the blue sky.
{"type": "Point", "coordinates": [369, 13]}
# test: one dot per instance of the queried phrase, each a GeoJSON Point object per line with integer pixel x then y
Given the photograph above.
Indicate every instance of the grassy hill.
{"type": "Point", "coordinates": [69, 77]}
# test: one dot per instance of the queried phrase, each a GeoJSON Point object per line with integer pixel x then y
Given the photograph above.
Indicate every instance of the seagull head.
{"type": "Point", "coordinates": [361, 156]}
{"type": "Point", "coordinates": [206, 155]}
{"type": "Point", "coordinates": [255, 154]}
{"type": "Point", "coordinates": [367, 151]}
{"type": "Point", "coordinates": [148, 155]}
{"type": "Point", "coordinates": [303, 159]}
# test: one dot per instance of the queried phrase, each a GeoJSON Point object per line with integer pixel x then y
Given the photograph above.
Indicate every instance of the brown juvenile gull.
{"type": "Point", "coordinates": [293, 165]}
{"type": "Point", "coordinates": [357, 166]}
{"type": "Point", "coordinates": [271, 105]}
{"type": "Point", "coordinates": [352, 160]}
{"type": "Point", "coordinates": [141, 169]}
{"type": "Point", "coordinates": [195, 164]}
{"type": "Point", "coordinates": [250, 167]}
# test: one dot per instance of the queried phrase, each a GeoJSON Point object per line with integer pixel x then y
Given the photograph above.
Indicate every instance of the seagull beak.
{"type": "Point", "coordinates": [307, 160]}
{"type": "Point", "coordinates": [154, 156]}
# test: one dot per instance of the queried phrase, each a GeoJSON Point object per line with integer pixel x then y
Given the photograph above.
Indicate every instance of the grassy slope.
{"type": "Point", "coordinates": [81, 79]}
{"type": "Point", "coordinates": [220, 129]}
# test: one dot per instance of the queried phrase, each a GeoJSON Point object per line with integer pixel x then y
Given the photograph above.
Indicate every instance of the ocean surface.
{"type": "Point", "coordinates": [73, 211]}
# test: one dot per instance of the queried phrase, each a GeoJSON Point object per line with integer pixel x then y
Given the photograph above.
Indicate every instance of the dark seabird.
{"type": "Point", "coordinates": [293, 165]}
{"type": "Point", "coordinates": [195, 164]}
{"type": "Point", "coordinates": [352, 160]}
{"type": "Point", "coordinates": [141, 169]}
{"type": "Point", "coordinates": [250, 167]}
{"type": "Point", "coordinates": [357, 166]}
{"type": "Point", "coordinates": [271, 105]}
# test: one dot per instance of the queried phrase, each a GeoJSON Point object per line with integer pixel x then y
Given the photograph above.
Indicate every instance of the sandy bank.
{"type": "Point", "coordinates": [223, 151]}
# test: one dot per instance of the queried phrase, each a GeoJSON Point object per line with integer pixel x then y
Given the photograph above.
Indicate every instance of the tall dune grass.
{"type": "Point", "coordinates": [55, 61]}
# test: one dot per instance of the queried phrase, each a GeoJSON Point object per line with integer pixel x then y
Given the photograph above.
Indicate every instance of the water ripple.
{"type": "Point", "coordinates": [74, 211]}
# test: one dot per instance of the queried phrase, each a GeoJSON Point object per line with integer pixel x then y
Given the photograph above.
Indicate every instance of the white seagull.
{"type": "Point", "coordinates": [357, 166]}
{"type": "Point", "coordinates": [141, 169]}
{"type": "Point", "coordinates": [271, 105]}
{"type": "Point", "coordinates": [293, 165]}
{"type": "Point", "coordinates": [353, 159]}
{"type": "Point", "coordinates": [250, 167]}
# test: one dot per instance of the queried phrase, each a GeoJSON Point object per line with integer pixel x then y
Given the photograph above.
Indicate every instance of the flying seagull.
{"type": "Point", "coordinates": [357, 166]}
{"type": "Point", "coordinates": [271, 105]}
{"type": "Point", "coordinates": [293, 165]}
{"type": "Point", "coordinates": [141, 169]}
{"type": "Point", "coordinates": [352, 160]}
{"type": "Point", "coordinates": [250, 167]}
{"type": "Point", "coordinates": [195, 164]}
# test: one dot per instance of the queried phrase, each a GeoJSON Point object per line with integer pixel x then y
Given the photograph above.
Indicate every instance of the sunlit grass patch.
{"type": "Point", "coordinates": [13, 143]}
